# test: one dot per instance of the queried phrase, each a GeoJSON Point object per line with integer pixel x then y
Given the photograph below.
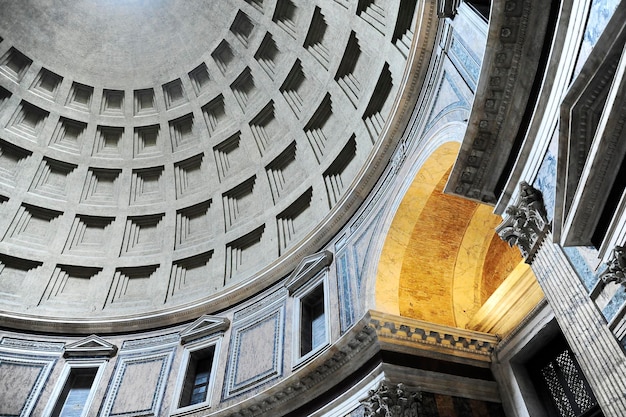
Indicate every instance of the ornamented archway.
{"type": "Point", "coordinates": [442, 261]}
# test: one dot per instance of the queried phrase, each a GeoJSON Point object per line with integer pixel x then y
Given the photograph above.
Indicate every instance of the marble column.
{"type": "Point", "coordinates": [597, 351]}
{"type": "Point", "coordinates": [600, 356]}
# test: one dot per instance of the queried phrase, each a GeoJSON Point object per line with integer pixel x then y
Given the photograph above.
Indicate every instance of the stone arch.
{"type": "Point", "coordinates": [441, 259]}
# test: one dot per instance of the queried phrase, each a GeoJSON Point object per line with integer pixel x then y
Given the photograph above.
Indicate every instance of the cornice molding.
{"type": "Point", "coordinates": [516, 33]}
{"type": "Point", "coordinates": [434, 338]}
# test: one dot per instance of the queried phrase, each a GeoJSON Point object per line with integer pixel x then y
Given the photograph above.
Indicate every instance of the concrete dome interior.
{"type": "Point", "coordinates": [328, 208]}
{"type": "Point", "coordinates": [158, 154]}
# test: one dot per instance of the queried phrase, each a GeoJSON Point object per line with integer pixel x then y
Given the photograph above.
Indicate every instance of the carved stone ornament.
{"type": "Point", "coordinates": [616, 267]}
{"type": "Point", "coordinates": [526, 222]}
{"type": "Point", "coordinates": [390, 400]}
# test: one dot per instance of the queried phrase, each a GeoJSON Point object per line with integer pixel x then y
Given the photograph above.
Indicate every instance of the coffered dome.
{"type": "Point", "coordinates": [160, 159]}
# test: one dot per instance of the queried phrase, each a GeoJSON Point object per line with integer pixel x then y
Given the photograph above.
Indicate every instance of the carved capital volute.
{"type": "Point", "coordinates": [526, 223]}
{"type": "Point", "coordinates": [392, 400]}
{"type": "Point", "coordinates": [616, 267]}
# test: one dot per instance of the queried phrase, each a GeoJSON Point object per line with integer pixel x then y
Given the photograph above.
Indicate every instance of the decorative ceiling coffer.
{"type": "Point", "coordinates": [392, 400]}
{"type": "Point", "coordinates": [526, 222]}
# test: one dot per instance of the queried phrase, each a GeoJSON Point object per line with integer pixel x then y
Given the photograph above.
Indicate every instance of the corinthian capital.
{"type": "Point", "coordinates": [526, 223]}
{"type": "Point", "coordinates": [616, 267]}
{"type": "Point", "coordinates": [390, 400]}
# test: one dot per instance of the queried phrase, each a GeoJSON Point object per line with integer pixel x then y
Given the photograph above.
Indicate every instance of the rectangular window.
{"type": "Point", "coordinates": [197, 377]}
{"type": "Point", "coordinates": [312, 321]}
{"type": "Point", "coordinates": [75, 394]}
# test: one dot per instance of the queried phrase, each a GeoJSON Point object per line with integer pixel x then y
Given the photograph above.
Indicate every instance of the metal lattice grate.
{"type": "Point", "coordinates": [557, 392]}
{"type": "Point", "coordinates": [581, 396]}
{"type": "Point", "coordinates": [569, 391]}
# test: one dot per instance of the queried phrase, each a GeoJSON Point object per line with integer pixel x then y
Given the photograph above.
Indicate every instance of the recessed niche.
{"type": "Point", "coordinates": [144, 101]}
{"type": "Point", "coordinates": [47, 83]}
{"type": "Point", "coordinates": [402, 33]}
{"type": "Point", "coordinates": [4, 95]}
{"type": "Point", "coordinates": [112, 102]}
{"type": "Point", "coordinates": [292, 221]}
{"type": "Point", "coordinates": [229, 156]}
{"type": "Point", "coordinates": [12, 159]}
{"type": "Point", "coordinates": [244, 252]}
{"type": "Point", "coordinates": [107, 143]}
{"type": "Point", "coordinates": [258, 4]}
{"type": "Point", "coordinates": [200, 78]}
{"type": "Point", "coordinates": [265, 128]}
{"type": "Point", "coordinates": [143, 235]}
{"type": "Point", "coordinates": [182, 134]}
{"type": "Point", "coordinates": [314, 129]}
{"type": "Point", "coordinates": [267, 55]}
{"type": "Point", "coordinates": [346, 75]}
{"type": "Point", "coordinates": [13, 274]}
{"type": "Point", "coordinates": [69, 284]}
{"type": "Point", "coordinates": [239, 202]}
{"type": "Point", "coordinates": [80, 96]}
{"type": "Point", "coordinates": [223, 56]}
{"type": "Point", "coordinates": [33, 226]}
{"type": "Point", "coordinates": [131, 285]}
{"type": "Point", "coordinates": [242, 27]}
{"type": "Point", "coordinates": [191, 273]}
{"type": "Point", "coordinates": [243, 88]}
{"type": "Point", "coordinates": [174, 94]}
{"type": "Point", "coordinates": [373, 115]}
{"type": "Point", "coordinates": [193, 225]}
{"type": "Point", "coordinates": [285, 16]}
{"type": "Point", "coordinates": [147, 186]}
{"type": "Point", "coordinates": [147, 141]}
{"type": "Point", "coordinates": [101, 186]}
{"type": "Point", "coordinates": [51, 178]}
{"type": "Point", "coordinates": [28, 120]}
{"type": "Point", "coordinates": [338, 175]}
{"type": "Point", "coordinates": [283, 171]}
{"type": "Point", "coordinates": [68, 135]}
{"type": "Point", "coordinates": [89, 235]}
{"type": "Point", "coordinates": [316, 38]}
{"type": "Point", "coordinates": [188, 175]}
{"type": "Point", "coordinates": [293, 88]}
{"type": "Point", "coordinates": [215, 115]}
{"type": "Point", "coordinates": [373, 13]}
{"type": "Point", "coordinates": [14, 64]}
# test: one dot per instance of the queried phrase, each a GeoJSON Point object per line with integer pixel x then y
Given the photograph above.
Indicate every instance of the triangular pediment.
{"type": "Point", "coordinates": [307, 269]}
{"type": "Point", "coordinates": [90, 346]}
{"type": "Point", "coordinates": [204, 326]}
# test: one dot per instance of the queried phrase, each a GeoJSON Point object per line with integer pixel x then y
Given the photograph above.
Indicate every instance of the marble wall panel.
{"type": "Point", "coordinates": [138, 384]}
{"type": "Point", "coordinates": [256, 350]}
{"type": "Point", "coordinates": [21, 381]}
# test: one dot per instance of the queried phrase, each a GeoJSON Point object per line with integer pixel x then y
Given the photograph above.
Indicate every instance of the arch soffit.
{"type": "Point", "coordinates": [457, 277]}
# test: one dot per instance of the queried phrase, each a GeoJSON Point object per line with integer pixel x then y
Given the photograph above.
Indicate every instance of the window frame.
{"type": "Point", "coordinates": [299, 295]}
{"type": "Point", "coordinates": [190, 349]}
{"type": "Point", "coordinates": [64, 378]}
